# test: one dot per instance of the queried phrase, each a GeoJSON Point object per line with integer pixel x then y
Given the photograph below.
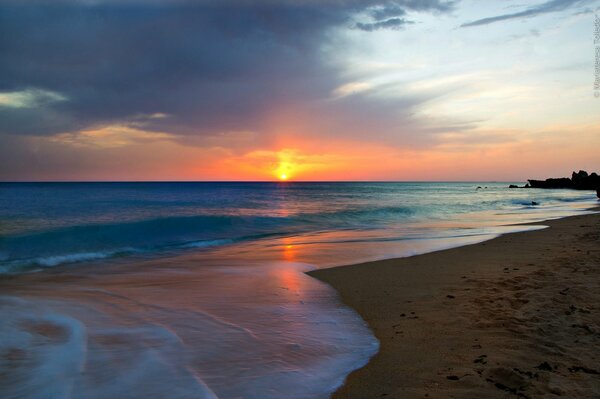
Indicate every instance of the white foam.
{"type": "Point", "coordinates": [207, 243]}
{"type": "Point", "coordinates": [56, 260]}
{"type": "Point", "coordinates": [51, 261]}
{"type": "Point", "coordinates": [266, 332]}
{"type": "Point", "coordinates": [46, 354]}
{"type": "Point", "coordinates": [43, 352]}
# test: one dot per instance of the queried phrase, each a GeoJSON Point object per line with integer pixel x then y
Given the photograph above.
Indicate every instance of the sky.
{"type": "Point", "coordinates": [303, 90]}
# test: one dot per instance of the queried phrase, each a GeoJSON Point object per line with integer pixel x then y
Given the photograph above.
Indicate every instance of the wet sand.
{"type": "Point", "coordinates": [180, 327]}
{"type": "Point", "coordinates": [516, 316]}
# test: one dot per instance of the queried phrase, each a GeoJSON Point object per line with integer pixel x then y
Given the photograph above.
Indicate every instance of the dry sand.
{"type": "Point", "coordinates": [517, 316]}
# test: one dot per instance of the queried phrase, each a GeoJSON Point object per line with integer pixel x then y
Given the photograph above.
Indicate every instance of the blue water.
{"type": "Point", "coordinates": [198, 290]}
{"type": "Point", "coordinates": [48, 224]}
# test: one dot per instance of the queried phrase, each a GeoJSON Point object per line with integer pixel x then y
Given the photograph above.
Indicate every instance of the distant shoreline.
{"type": "Point", "coordinates": [509, 315]}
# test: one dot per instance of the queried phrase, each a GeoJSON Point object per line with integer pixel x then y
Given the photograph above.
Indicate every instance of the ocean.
{"type": "Point", "coordinates": [197, 290]}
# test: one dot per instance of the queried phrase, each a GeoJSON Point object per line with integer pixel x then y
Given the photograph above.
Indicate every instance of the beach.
{"type": "Point", "coordinates": [200, 290]}
{"type": "Point", "coordinates": [516, 316]}
{"type": "Point", "coordinates": [259, 199]}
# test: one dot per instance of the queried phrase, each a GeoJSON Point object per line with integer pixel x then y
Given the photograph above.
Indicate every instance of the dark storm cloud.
{"type": "Point", "coordinates": [544, 8]}
{"type": "Point", "coordinates": [211, 66]}
{"type": "Point", "coordinates": [392, 23]}
{"type": "Point", "coordinates": [391, 16]}
{"type": "Point", "coordinates": [388, 12]}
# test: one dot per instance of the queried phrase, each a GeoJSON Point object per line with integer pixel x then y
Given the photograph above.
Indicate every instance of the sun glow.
{"type": "Point", "coordinates": [284, 166]}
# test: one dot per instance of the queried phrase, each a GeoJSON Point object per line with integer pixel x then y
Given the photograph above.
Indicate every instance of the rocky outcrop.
{"type": "Point", "coordinates": [578, 181]}
{"type": "Point", "coordinates": [562, 182]}
{"type": "Point", "coordinates": [582, 181]}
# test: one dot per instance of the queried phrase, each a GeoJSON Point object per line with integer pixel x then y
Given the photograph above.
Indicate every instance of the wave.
{"type": "Point", "coordinates": [88, 242]}
{"type": "Point", "coordinates": [61, 350]}
{"type": "Point", "coordinates": [370, 212]}
{"type": "Point", "coordinates": [206, 244]}
{"type": "Point", "coordinates": [96, 241]}
{"type": "Point", "coordinates": [566, 199]}
{"type": "Point", "coordinates": [19, 265]}
{"type": "Point", "coordinates": [525, 203]}
{"type": "Point", "coordinates": [101, 241]}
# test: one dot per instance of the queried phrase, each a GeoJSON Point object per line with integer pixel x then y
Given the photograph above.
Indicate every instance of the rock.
{"type": "Point", "coordinates": [598, 192]}
{"type": "Point", "coordinates": [513, 186]}
{"type": "Point", "coordinates": [582, 174]}
{"type": "Point", "coordinates": [579, 181]}
{"type": "Point", "coordinates": [533, 203]}
{"type": "Point", "coordinates": [563, 182]}
{"type": "Point", "coordinates": [507, 380]}
{"type": "Point", "coordinates": [582, 181]}
{"type": "Point", "coordinates": [544, 366]}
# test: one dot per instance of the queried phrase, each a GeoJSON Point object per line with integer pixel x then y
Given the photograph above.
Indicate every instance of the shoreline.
{"type": "Point", "coordinates": [515, 315]}
{"type": "Point", "coordinates": [147, 284]}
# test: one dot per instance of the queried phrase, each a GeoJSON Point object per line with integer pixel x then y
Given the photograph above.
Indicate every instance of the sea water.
{"type": "Point", "coordinates": [197, 290]}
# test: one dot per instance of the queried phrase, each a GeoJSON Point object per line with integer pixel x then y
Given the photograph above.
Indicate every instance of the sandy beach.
{"type": "Point", "coordinates": [512, 316]}
{"type": "Point", "coordinates": [516, 316]}
{"type": "Point", "coordinates": [293, 199]}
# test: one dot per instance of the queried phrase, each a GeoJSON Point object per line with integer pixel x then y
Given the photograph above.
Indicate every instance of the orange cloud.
{"type": "Point", "coordinates": [122, 153]}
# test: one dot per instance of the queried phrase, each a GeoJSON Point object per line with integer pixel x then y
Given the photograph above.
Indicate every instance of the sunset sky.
{"type": "Point", "coordinates": [253, 90]}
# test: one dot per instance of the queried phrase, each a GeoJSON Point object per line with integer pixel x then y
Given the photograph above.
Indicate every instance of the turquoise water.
{"type": "Point", "coordinates": [48, 224]}
{"type": "Point", "coordinates": [198, 290]}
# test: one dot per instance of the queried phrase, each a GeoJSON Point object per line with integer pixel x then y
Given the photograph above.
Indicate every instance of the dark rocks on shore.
{"type": "Point", "coordinates": [583, 181]}
{"type": "Point", "coordinates": [563, 182]}
{"type": "Point", "coordinates": [579, 181]}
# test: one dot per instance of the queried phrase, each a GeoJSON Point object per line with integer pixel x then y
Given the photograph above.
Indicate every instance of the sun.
{"type": "Point", "coordinates": [284, 170]}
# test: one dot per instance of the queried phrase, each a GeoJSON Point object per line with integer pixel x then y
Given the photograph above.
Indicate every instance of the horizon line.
{"type": "Point", "coordinates": [257, 181]}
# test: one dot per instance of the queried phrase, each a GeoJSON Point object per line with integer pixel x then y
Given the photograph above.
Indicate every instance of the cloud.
{"type": "Point", "coordinates": [94, 89]}
{"type": "Point", "coordinates": [109, 137]}
{"type": "Point", "coordinates": [30, 98]}
{"type": "Point", "coordinates": [544, 8]}
{"type": "Point", "coordinates": [422, 5]}
{"type": "Point", "coordinates": [211, 67]}
{"type": "Point", "coordinates": [392, 23]}
{"type": "Point", "coordinates": [382, 13]}
{"type": "Point", "coordinates": [391, 16]}
{"type": "Point", "coordinates": [350, 89]}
